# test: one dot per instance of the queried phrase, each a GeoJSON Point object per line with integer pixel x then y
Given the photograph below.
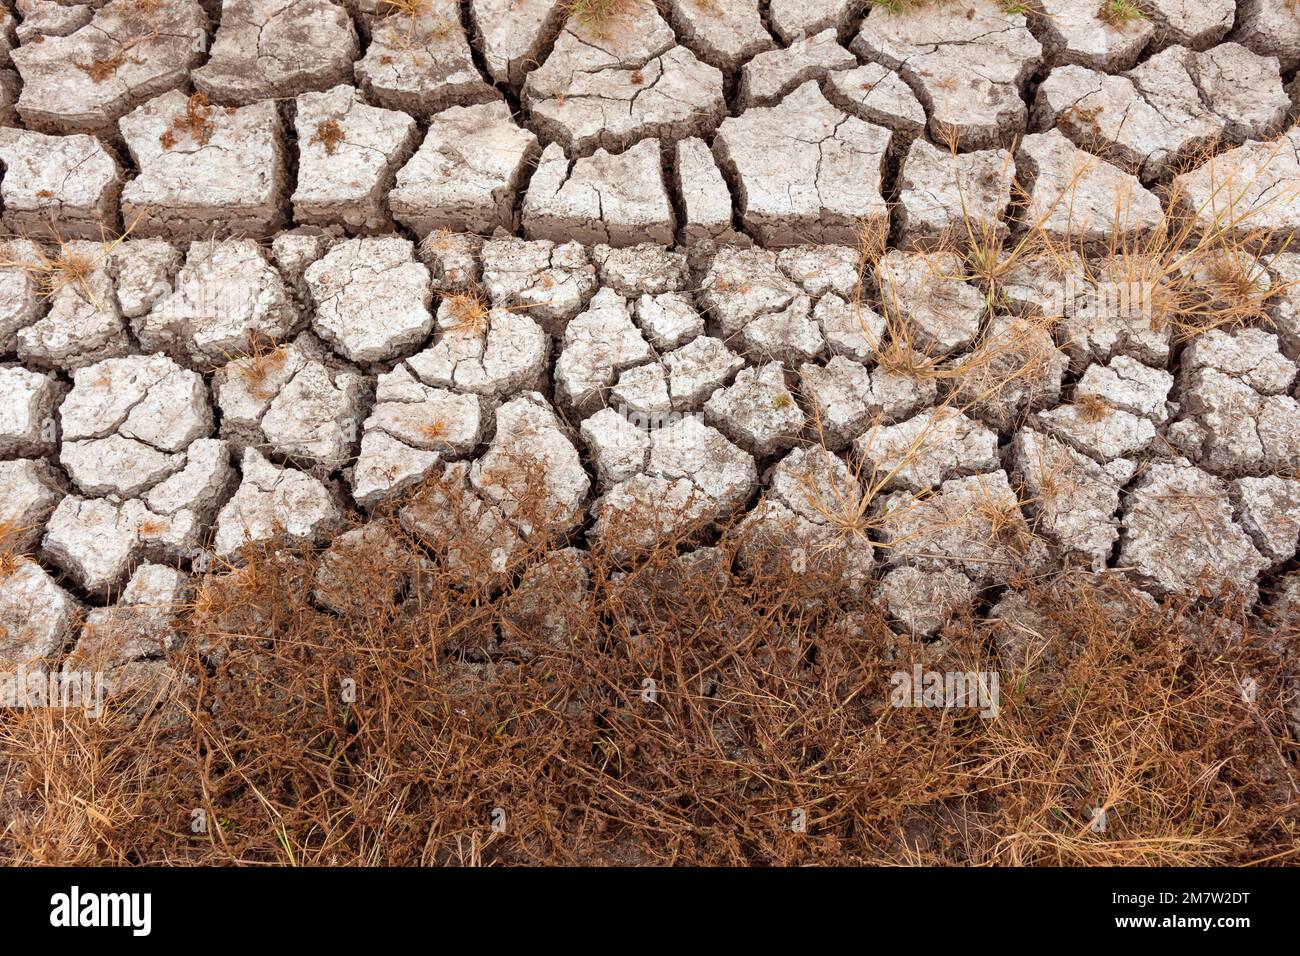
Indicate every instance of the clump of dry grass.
{"type": "Point", "coordinates": [406, 8]}
{"type": "Point", "coordinates": [434, 430]}
{"type": "Point", "coordinates": [421, 23]}
{"type": "Point", "coordinates": [468, 311]}
{"type": "Point", "coordinates": [1120, 13]}
{"type": "Point", "coordinates": [102, 68]}
{"type": "Point", "coordinates": [1092, 408]}
{"type": "Point", "coordinates": [329, 134]}
{"type": "Point", "coordinates": [65, 266]}
{"type": "Point", "coordinates": [195, 122]}
{"type": "Point", "coordinates": [258, 363]}
{"type": "Point", "coordinates": [10, 556]}
{"type": "Point", "coordinates": [599, 16]}
{"type": "Point", "coordinates": [1009, 7]}
{"type": "Point", "coordinates": [674, 717]}
{"type": "Point", "coordinates": [54, 263]}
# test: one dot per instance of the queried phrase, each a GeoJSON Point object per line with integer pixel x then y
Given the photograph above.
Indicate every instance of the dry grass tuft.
{"type": "Point", "coordinates": [54, 263]}
{"type": "Point", "coordinates": [422, 26]}
{"type": "Point", "coordinates": [468, 310]}
{"type": "Point", "coordinates": [10, 557]}
{"type": "Point", "coordinates": [1120, 13]}
{"type": "Point", "coordinates": [404, 8]}
{"type": "Point", "coordinates": [66, 266]}
{"type": "Point", "coordinates": [599, 16]}
{"type": "Point", "coordinates": [102, 68]}
{"type": "Point", "coordinates": [258, 363]}
{"type": "Point", "coordinates": [195, 122]}
{"type": "Point", "coordinates": [1092, 408]}
{"type": "Point", "coordinates": [329, 134]}
{"type": "Point", "coordinates": [435, 430]}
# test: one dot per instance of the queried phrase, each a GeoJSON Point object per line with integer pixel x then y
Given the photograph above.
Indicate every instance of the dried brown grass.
{"type": "Point", "coordinates": [674, 718]}
{"type": "Point", "coordinates": [601, 17]}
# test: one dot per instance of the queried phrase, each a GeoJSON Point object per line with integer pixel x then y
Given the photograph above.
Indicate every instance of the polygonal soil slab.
{"type": "Point", "coordinates": [1159, 115]}
{"type": "Point", "coordinates": [275, 507]}
{"type": "Point", "coordinates": [693, 475]}
{"type": "Point", "coordinates": [267, 49]}
{"type": "Point", "coordinates": [804, 522]}
{"type": "Point", "coordinates": [950, 197]}
{"type": "Point", "coordinates": [549, 283]}
{"type": "Point", "coordinates": [1077, 198]}
{"type": "Point", "coordinates": [29, 491]}
{"type": "Point", "coordinates": [920, 453]}
{"type": "Point", "coordinates": [1195, 24]}
{"type": "Point", "coordinates": [973, 525]}
{"type": "Point", "coordinates": [878, 95]}
{"type": "Point", "coordinates": [411, 428]}
{"type": "Point", "coordinates": [67, 185]}
{"type": "Point", "coordinates": [99, 542]}
{"type": "Point", "coordinates": [792, 19]}
{"type": "Point", "coordinates": [1180, 538]}
{"type": "Point", "coordinates": [598, 344]}
{"type": "Point", "coordinates": [1015, 368]}
{"type": "Point", "coordinates": [348, 154]}
{"type": "Point", "coordinates": [1268, 508]}
{"type": "Point", "coordinates": [1071, 498]}
{"type": "Point", "coordinates": [927, 297]}
{"type": "Point", "coordinates": [311, 418]}
{"type": "Point", "coordinates": [1247, 193]}
{"type": "Point", "coordinates": [83, 323]}
{"type": "Point", "coordinates": [372, 298]}
{"type": "Point", "coordinates": [419, 61]}
{"type": "Point", "coordinates": [128, 421]}
{"type": "Point", "coordinates": [725, 34]}
{"type": "Point", "coordinates": [1236, 414]}
{"type": "Point", "coordinates": [616, 199]}
{"type": "Point", "coordinates": [1096, 429]}
{"type": "Point", "coordinates": [1129, 385]}
{"type": "Point", "coordinates": [493, 353]}
{"type": "Point", "coordinates": [27, 403]}
{"type": "Point", "coordinates": [37, 619]}
{"type": "Point", "coordinates": [768, 77]}
{"type": "Point", "coordinates": [646, 269]}
{"type": "Point", "coordinates": [203, 169]}
{"type": "Point", "coordinates": [610, 89]}
{"type": "Point", "coordinates": [466, 174]}
{"type": "Point", "coordinates": [744, 284]}
{"type": "Point", "coordinates": [532, 471]}
{"type": "Point", "coordinates": [757, 411]}
{"type": "Point", "coordinates": [1270, 28]}
{"type": "Point", "coordinates": [142, 271]}
{"type": "Point", "coordinates": [805, 172]}
{"type": "Point", "coordinates": [706, 200]}
{"type": "Point", "coordinates": [1077, 33]}
{"type": "Point", "coordinates": [514, 33]}
{"type": "Point", "coordinates": [21, 302]}
{"type": "Point", "coordinates": [228, 300]}
{"type": "Point", "coordinates": [924, 601]}
{"type": "Point", "coordinates": [846, 399]}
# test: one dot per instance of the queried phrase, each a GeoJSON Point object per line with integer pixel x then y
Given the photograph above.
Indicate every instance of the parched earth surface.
{"type": "Point", "coordinates": [703, 258]}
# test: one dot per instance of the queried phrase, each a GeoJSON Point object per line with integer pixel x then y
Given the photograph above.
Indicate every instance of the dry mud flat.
{"type": "Point", "coordinates": [785, 267]}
